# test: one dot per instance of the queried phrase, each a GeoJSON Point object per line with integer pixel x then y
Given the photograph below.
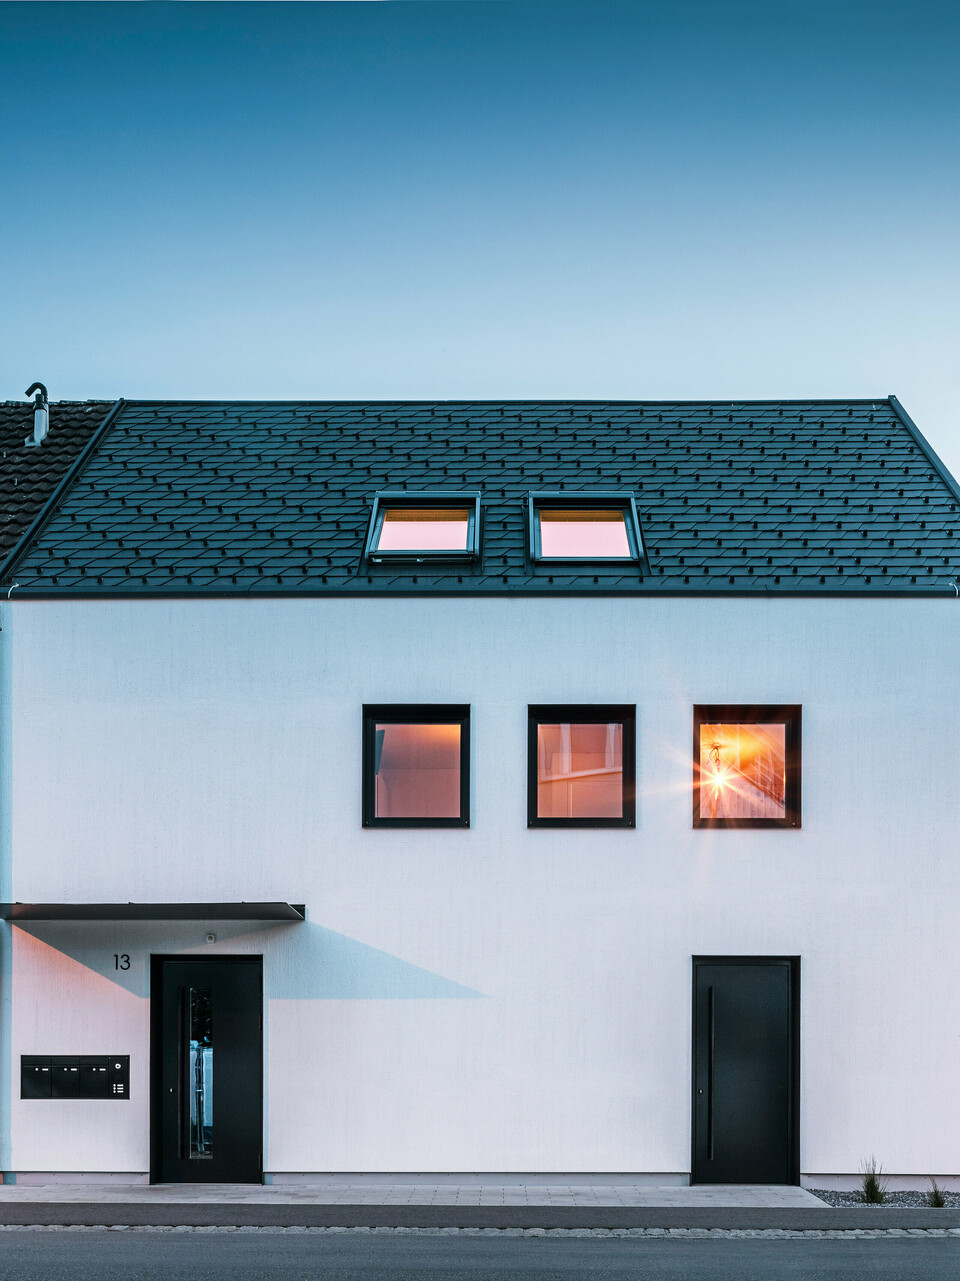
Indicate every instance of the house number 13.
{"type": "Point", "coordinates": [121, 961]}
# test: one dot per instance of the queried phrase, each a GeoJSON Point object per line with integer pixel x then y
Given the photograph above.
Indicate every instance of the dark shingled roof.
{"type": "Point", "coordinates": [29, 476]}
{"type": "Point", "coordinates": [783, 497]}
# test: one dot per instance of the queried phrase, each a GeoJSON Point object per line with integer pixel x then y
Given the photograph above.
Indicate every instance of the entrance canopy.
{"type": "Point", "coordinates": [152, 912]}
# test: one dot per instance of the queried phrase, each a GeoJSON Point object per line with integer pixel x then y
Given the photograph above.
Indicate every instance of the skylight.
{"type": "Point", "coordinates": [599, 528]}
{"type": "Point", "coordinates": [410, 526]}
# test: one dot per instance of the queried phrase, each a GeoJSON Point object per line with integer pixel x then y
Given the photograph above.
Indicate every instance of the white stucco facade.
{"type": "Point", "coordinates": [498, 998]}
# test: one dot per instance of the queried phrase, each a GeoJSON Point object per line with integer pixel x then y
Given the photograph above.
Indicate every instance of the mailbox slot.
{"type": "Point", "coordinates": [94, 1082]}
{"type": "Point", "coordinates": [34, 1076]}
{"type": "Point", "coordinates": [64, 1076]}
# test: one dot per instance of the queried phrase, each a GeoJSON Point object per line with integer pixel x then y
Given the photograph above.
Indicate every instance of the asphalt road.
{"type": "Point", "coordinates": [206, 1256]}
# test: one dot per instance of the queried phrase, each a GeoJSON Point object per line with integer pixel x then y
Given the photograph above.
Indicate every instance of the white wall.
{"type": "Point", "coordinates": [498, 998]}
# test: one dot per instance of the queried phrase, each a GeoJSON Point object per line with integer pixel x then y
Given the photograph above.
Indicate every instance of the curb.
{"type": "Point", "coordinates": [187, 1214]}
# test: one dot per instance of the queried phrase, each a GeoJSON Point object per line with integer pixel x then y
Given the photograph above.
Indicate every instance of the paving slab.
{"type": "Point", "coordinates": [364, 1192]}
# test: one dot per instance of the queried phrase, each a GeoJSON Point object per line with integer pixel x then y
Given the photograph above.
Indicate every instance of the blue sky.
{"type": "Point", "coordinates": [490, 199]}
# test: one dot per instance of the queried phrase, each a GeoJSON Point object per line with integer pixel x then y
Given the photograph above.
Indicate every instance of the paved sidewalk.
{"type": "Point", "coordinates": [475, 1204]}
{"type": "Point", "coordinates": [368, 1192]}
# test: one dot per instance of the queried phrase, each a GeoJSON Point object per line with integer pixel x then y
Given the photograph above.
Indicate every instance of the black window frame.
{"type": "Point", "coordinates": [584, 714]}
{"type": "Point", "coordinates": [584, 500]}
{"type": "Point", "coordinates": [413, 714]}
{"type": "Point", "coordinates": [387, 498]}
{"type": "Point", "coordinates": [787, 714]}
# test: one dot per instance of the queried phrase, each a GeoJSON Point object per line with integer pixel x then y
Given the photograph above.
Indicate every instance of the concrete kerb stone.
{"type": "Point", "coordinates": [526, 1218]}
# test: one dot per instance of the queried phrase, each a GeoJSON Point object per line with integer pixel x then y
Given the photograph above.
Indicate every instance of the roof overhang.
{"type": "Point", "coordinates": [24, 912]}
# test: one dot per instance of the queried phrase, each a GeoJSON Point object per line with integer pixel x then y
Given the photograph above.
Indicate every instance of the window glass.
{"type": "Point", "coordinates": [594, 533]}
{"type": "Point", "coordinates": [200, 1072]}
{"type": "Point", "coordinates": [424, 529]}
{"type": "Point", "coordinates": [580, 770]}
{"type": "Point", "coordinates": [417, 771]}
{"type": "Point", "coordinates": [743, 771]}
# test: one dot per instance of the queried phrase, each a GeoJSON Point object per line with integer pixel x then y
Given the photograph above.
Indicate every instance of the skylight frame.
{"type": "Point", "coordinates": [586, 499]}
{"type": "Point", "coordinates": [432, 498]}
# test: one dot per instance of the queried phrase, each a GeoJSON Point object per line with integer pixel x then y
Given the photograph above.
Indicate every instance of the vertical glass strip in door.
{"type": "Point", "coordinates": [200, 1072]}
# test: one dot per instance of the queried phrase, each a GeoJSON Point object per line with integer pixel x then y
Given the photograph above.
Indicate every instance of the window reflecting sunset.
{"type": "Point", "coordinates": [742, 771]}
{"type": "Point", "coordinates": [417, 771]}
{"type": "Point", "coordinates": [580, 771]}
{"type": "Point", "coordinates": [424, 529]}
{"type": "Point", "coordinates": [593, 534]}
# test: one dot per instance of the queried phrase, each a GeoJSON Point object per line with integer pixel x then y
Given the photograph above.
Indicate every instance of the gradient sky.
{"type": "Point", "coordinates": [493, 199]}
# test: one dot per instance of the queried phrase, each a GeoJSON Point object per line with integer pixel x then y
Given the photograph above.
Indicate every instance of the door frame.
{"type": "Point", "coordinates": [793, 1160]}
{"type": "Point", "coordinates": [157, 961]}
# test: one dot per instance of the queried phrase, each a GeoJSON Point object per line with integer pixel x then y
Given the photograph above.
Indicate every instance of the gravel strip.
{"type": "Point", "coordinates": [668, 1234]}
{"type": "Point", "coordinates": [912, 1198]}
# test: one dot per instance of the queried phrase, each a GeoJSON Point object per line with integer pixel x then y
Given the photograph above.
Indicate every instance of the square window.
{"type": "Point", "coordinates": [598, 528]}
{"type": "Point", "coordinates": [581, 766]}
{"type": "Point", "coordinates": [416, 765]}
{"type": "Point", "coordinates": [746, 766]}
{"type": "Point", "coordinates": [423, 527]}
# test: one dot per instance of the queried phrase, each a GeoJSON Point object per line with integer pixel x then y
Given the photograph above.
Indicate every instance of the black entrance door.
{"type": "Point", "coordinates": [207, 1079]}
{"type": "Point", "coordinates": [746, 1069]}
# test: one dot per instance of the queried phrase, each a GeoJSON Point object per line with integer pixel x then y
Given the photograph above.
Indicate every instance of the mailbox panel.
{"type": "Point", "coordinates": [73, 1076]}
{"type": "Point", "coordinates": [118, 1075]}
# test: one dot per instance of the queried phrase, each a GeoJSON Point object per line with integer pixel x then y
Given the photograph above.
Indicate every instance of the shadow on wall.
{"type": "Point", "coordinates": [322, 965]}
{"type": "Point", "coordinates": [307, 962]}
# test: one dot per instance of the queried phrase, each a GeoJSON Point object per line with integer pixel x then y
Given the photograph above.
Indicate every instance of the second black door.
{"type": "Point", "coordinates": [207, 1069]}
{"type": "Point", "coordinates": [745, 1069]}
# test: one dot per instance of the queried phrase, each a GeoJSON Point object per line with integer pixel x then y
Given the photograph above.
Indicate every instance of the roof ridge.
{"type": "Point", "coordinates": [526, 400]}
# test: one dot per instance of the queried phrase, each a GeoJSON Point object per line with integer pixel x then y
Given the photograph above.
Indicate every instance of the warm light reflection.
{"type": "Point", "coordinates": [580, 771]}
{"type": "Point", "coordinates": [417, 771]}
{"type": "Point", "coordinates": [572, 532]}
{"type": "Point", "coordinates": [742, 771]}
{"type": "Point", "coordinates": [424, 529]}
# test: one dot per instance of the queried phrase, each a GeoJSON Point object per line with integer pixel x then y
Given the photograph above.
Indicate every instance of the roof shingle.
{"type": "Point", "coordinates": [29, 476]}
{"type": "Point", "coordinates": [267, 497]}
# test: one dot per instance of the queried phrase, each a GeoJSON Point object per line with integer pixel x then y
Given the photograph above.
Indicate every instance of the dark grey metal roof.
{"type": "Point", "coordinates": [29, 476]}
{"type": "Point", "coordinates": [198, 498]}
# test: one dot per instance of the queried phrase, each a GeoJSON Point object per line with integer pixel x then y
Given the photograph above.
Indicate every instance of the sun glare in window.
{"type": "Point", "coordinates": [743, 772]}
{"type": "Point", "coordinates": [417, 771]}
{"type": "Point", "coordinates": [424, 529]}
{"type": "Point", "coordinates": [594, 534]}
{"type": "Point", "coordinates": [580, 771]}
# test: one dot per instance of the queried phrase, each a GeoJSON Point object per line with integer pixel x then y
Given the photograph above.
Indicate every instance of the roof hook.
{"type": "Point", "coordinates": [41, 415]}
{"type": "Point", "coordinates": [953, 584]}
